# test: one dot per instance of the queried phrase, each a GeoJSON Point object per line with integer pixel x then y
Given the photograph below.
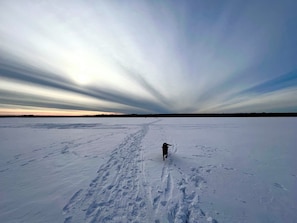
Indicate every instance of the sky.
{"type": "Point", "coordinates": [84, 57]}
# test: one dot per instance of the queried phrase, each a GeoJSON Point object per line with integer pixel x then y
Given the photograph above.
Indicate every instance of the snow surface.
{"type": "Point", "coordinates": [111, 170]}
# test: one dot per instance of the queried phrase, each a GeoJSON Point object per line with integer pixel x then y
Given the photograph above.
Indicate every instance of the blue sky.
{"type": "Point", "coordinates": [87, 57]}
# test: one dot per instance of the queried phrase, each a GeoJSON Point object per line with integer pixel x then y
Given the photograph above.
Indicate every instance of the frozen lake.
{"type": "Point", "coordinates": [111, 170]}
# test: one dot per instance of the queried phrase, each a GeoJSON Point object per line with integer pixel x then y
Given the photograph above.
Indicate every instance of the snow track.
{"type": "Point", "coordinates": [117, 191]}
{"type": "Point", "coordinates": [121, 193]}
{"type": "Point", "coordinates": [178, 195]}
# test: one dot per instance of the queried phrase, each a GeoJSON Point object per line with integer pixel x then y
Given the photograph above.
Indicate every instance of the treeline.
{"type": "Point", "coordinates": [207, 115]}
{"type": "Point", "coordinates": [264, 114]}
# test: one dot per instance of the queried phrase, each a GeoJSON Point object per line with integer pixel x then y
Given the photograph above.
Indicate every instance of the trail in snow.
{"type": "Point", "coordinates": [117, 191]}
{"type": "Point", "coordinates": [121, 192]}
{"type": "Point", "coordinates": [178, 194]}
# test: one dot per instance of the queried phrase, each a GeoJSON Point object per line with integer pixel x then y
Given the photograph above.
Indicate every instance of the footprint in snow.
{"type": "Point", "coordinates": [280, 186]}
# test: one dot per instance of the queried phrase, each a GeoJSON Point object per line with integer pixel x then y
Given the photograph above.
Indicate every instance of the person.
{"type": "Point", "coordinates": [165, 150]}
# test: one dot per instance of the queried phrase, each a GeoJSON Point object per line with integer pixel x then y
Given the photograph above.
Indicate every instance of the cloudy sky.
{"type": "Point", "coordinates": [154, 56]}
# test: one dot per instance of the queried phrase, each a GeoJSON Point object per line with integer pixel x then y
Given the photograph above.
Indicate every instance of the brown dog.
{"type": "Point", "coordinates": [165, 150]}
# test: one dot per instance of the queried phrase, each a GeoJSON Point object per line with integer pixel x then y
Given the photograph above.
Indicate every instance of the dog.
{"type": "Point", "coordinates": [165, 150]}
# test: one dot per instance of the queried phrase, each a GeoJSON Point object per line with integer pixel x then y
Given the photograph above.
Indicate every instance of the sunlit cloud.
{"type": "Point", "coordinates": [148, 56]}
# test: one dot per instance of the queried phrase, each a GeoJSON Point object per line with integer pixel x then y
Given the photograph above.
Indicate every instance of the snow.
{"type": "Point", "coordinates": [111, 170]}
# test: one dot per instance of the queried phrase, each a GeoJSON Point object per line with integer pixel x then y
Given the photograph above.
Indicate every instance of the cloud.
{"type": "Point", "coordinates": [278, 83]}
{"type": "Point", "coordinates": [31, 79]}
{"type": "Point", "coordinates": [148, 57]}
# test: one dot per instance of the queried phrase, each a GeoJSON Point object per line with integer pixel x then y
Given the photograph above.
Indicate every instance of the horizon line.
{"type": "Point", "coordinates": [240, 114]}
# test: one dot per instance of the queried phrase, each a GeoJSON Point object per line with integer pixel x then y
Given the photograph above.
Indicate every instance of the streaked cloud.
{"type": "Point", "coordinates": [148, 56]}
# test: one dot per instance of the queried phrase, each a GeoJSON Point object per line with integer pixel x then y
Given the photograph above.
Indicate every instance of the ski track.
{"type": "Point", "coordinates": [120, 192]}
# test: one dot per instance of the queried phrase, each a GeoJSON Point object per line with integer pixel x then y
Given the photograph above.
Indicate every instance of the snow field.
{"type": "Point", "coordinates": [111, 170]}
